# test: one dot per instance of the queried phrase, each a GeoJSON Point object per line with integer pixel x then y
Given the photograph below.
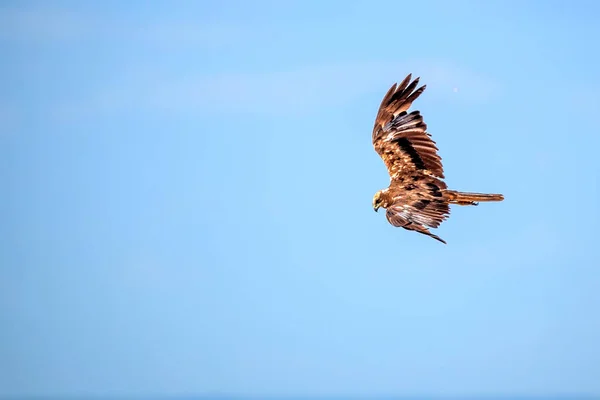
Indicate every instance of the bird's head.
{"type": "Point", "coordinates": [379, 200]}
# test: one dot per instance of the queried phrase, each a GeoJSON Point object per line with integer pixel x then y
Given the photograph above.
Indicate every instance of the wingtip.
{"type": "Point", "coordinates": [405, 82]}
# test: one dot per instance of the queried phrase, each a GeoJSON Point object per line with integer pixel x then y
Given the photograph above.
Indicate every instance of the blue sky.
{"type": "Point", "coordinates": [187, 190]}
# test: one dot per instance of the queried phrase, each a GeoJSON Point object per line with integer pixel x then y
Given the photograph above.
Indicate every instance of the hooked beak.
{"type": "Point", "coordinates": [376, 208]}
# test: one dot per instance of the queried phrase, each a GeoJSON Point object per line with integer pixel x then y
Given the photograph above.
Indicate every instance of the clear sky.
{"type": "Point", "coordinates": [186, 199]}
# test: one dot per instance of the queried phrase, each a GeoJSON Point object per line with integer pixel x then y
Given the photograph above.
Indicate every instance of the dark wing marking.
{"type": "Point", "coordinates": [418, 215]}
{"type": "Point", "coordinates": [401, 138]}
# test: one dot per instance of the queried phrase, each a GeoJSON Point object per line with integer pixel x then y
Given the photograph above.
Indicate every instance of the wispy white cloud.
{"type": "Point", "coordinates": [293, 91]}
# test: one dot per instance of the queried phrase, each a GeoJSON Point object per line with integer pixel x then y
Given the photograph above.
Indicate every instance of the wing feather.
{"type": "Point", "coordinates": [401, 138]}
{"type": "Point", "coordinates": [418, 216]}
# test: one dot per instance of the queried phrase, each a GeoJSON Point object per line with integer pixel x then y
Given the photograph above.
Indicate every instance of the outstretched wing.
{"type": "Point", "coordinates": [401, 138]}
{"type": "Point", "coordinates": [418, 214]}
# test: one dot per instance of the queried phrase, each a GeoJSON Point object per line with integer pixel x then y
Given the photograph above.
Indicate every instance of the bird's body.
{"type": "Point", "coordinates": [417, 198]}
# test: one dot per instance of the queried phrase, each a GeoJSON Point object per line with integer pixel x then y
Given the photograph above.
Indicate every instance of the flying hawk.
{"type": "Point", "coordinates": [417, 197]}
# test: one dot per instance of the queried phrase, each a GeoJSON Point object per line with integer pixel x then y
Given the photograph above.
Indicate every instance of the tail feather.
{"type": "Point", "coordinates": [467, 198]}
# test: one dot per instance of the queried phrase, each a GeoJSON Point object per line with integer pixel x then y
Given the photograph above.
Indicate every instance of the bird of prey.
{"type": "Point", "coordinates": [417, 198]}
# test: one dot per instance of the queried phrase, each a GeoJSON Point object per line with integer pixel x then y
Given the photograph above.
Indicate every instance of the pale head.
{"type": "Point", "coordinates": [380, 200]}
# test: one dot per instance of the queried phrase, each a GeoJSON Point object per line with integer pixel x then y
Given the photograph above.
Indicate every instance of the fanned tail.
{"type": "Point", "coordinates": [470, 199]}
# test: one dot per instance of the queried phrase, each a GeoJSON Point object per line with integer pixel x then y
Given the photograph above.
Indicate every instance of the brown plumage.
{"type": "Point", "coordinates": [417, 198]}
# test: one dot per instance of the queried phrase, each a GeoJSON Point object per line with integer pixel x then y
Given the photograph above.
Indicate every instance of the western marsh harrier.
{"type": "Point", "coordinates": [417, 198]}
